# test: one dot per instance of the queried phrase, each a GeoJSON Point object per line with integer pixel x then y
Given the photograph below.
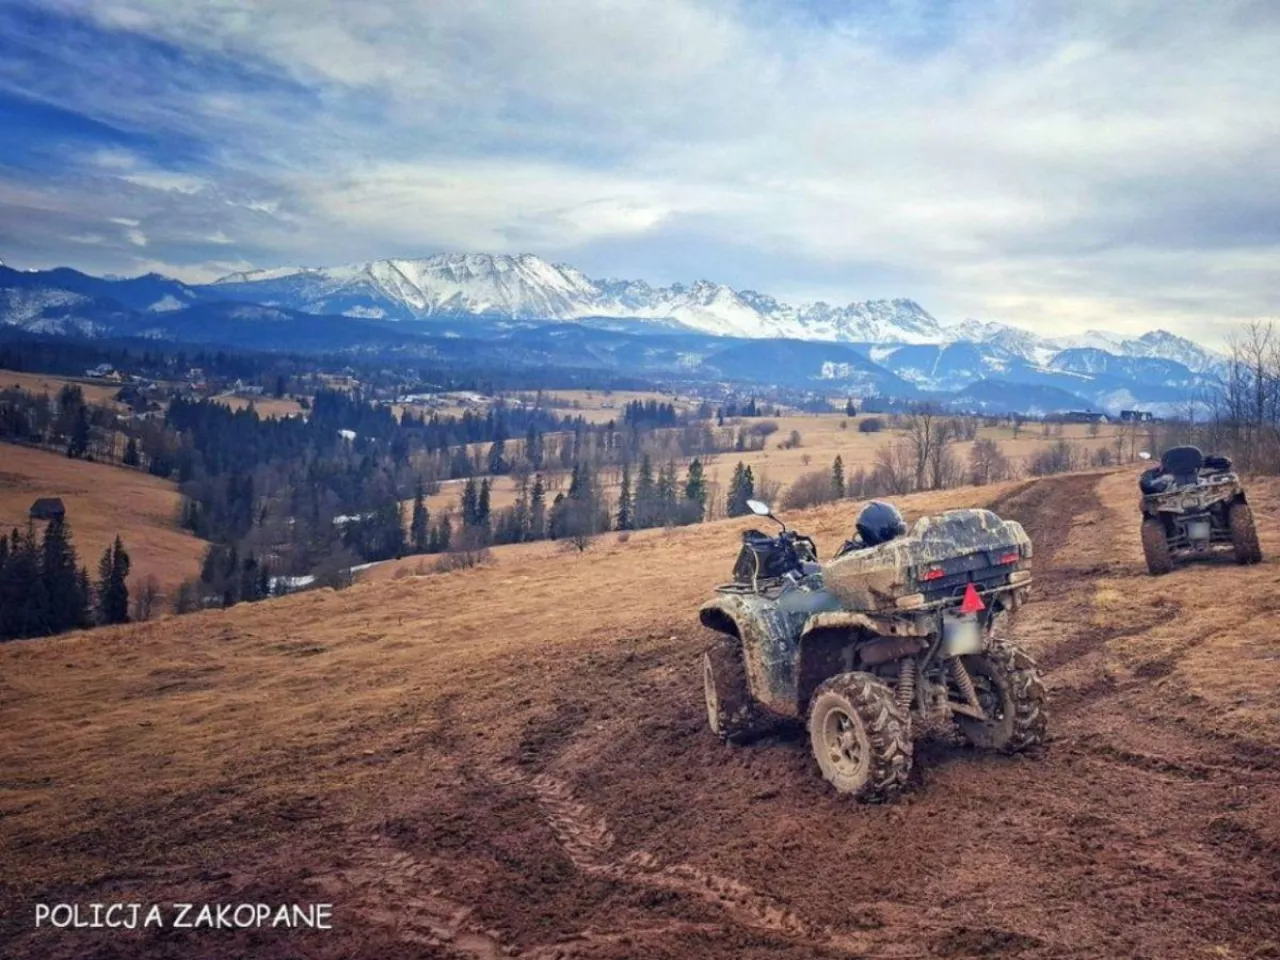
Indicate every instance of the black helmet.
{"type": "Point", "coordinates": [880, 522]}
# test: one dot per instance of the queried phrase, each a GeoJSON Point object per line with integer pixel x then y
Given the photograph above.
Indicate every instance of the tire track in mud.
{"type": "Point", "coordinates": [397, 892]}
{"type": "Point", "coordinates": [587, 840]}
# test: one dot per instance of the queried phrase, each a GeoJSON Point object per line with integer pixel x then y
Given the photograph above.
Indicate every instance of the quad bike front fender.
{"type": "Point", "coordinates": [770, 639]}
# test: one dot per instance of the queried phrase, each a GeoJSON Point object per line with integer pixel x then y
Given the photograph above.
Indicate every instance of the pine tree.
{"type": "Point", "coordinates": [533, 447]}
{"type": "Point", "coordinates": [626, 510]}
{"type": "Point", "coordinates": [695, 492]}
{"type": "Point", "coordinates": [17, 575]}
{"type": "Point", "coordinates": [113, 590]}
{"type": "Point", "coordinates": [482, 504]}
{"type": "Point", "coordinates": [131, 458]}
{"type": "Point", "coordinates": [646, 503]}
{"type": "Point", "coordinates": [741, 489]}
{"type": "Point", "coordinates": [555, 519]}
{"type": "Point", "coordinates": [666, 493]}
{"type": "Point", "coordinates": [497, 450]}
{"type": "Point", "coordinates": [418, 526]}
{"type": "Point", "coordinates": [537, 510]}
{"type": "Point", "coordinates": [837, 477]}
{"type": "Point", "coordinates": [388, 530]}
{"type": "Point", "coordinates": [460, 464]}
{"type": "Point", "coordinates": [68, 606]}
{"type": "Point", "coordinates": [78, 445]}
{"type": "Point", "coordinates": [520, 513]}
{"type": "Point", "coordinates": [470, 503]}
{"type": "Point", "coordinates": [849, 409]}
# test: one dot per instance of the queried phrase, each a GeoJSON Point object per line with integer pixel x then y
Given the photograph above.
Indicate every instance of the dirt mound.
{"type": "Point", "coordinates": [464, 780]}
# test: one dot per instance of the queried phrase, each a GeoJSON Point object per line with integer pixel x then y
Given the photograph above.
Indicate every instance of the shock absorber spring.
{"type": "Point", "coordinates": [964, 682]}
{"type": "Point", "coordinates": [906, 682]}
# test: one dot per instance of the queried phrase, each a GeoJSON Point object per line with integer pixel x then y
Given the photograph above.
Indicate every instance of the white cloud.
{"type": "Point", "coordinates": [125, 221]}
{"type": "Point", "coordinates": [187, 272]}
{"type": "Point", "coordinates": [136, 237]}
{"type": "Point", "coordinates": [167, 181]}
{"type": "Point", "coordinates": [1052, 163]}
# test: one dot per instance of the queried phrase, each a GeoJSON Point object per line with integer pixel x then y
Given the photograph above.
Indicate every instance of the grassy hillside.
{"type": "Point", "coordinates": [514, 759]}
{"type": "Point", "coordinates": [103, 501]}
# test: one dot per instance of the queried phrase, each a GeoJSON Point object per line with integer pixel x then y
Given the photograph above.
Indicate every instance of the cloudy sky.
{"type": "Point", "coordinates": [1059, 165]}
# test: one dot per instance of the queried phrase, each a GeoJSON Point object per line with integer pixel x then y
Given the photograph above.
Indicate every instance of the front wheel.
{"type": "Point", "coordinates": [731, 713]}
{"type": "Point", "coordinates": [1011, 695]}
{"type": "Point", "coordinates": [1155, 546]}
{"type": "Point", "coordinates": [861, 737]}
{"type": "Point", "coordinates": [1244, 535]}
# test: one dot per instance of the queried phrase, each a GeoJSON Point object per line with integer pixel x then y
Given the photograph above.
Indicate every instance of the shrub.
{"type": "Point", "coordinates": [767, 489]}
{"type": "Point", "coordinates": [624, 536]}
{"type": "Point", "coordinates": [463, 559]}
{"type": "Point", "coordinates": [1061, 457]}
{"type": "Point", "coordinates": [870, 425]}
{"type": "Point", "coordinates": [810, 490]}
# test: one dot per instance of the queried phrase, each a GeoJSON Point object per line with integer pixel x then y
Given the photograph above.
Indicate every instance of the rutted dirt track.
{"type": "Point", "coordinates": [558, 803]}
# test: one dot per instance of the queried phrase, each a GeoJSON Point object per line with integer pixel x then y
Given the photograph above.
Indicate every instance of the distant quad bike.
{"type": "Point", "coordinates": [1193, 505]}
{"type": "Point", "coordinates": [875, 643]}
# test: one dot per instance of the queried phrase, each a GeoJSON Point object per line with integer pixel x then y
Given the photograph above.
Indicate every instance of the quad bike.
{"type": "Point", "coordinates": [1192, 505]}
{"type": "Point", "coordinates": [875, 644]}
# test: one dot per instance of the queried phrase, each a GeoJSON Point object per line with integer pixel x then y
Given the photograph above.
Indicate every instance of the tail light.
{"type": "Point", "coordinates": [936, 573]}
{"type": "Point", "coordinates": [1012, 557]}
{"type": "Point", "coordinates": [912, 601]}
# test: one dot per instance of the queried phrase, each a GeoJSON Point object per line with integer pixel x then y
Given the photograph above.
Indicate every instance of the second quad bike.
{"type": "Point", "coordinates": [1192, 505]}
{"type": "Point", "coordinates": [873, 645]}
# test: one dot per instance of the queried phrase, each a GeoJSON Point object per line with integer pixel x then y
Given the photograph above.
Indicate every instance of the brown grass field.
{"type": "Point", "coordinates": [265, 406]}
{"type": "Point", "coordinates": [95, 391]}
{"type": "Point", "coordinates": [103, 501]}
{"type": "Point", "coordinates": [514, 761]}
{"type": "Point", "coordinates": [822, 440]}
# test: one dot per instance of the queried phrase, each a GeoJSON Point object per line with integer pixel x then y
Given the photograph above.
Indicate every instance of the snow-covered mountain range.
{"type": "Point", "coordinates": [524, 310]}
{"type": "Point", "coordinates": [526, 287]}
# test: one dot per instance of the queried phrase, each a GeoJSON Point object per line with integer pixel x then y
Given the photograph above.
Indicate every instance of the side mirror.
{"type": "Point", "coordinates": [759, 508]}
{"type": "Point", "coordinates": [1144, 455]}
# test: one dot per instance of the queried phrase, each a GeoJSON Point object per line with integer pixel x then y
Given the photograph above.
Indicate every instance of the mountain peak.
{"type": "Point", "coordinates": [524, 286]}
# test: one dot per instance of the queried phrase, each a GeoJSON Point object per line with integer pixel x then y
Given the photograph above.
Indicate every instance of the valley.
{"type": "Point", "coordinates": [514, 760]}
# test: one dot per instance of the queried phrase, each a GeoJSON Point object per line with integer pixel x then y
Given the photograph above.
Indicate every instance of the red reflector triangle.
{"type": "Point", "coordinates": [972, 603]}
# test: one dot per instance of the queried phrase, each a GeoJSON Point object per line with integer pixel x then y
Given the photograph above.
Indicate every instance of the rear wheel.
{"type": "Point", "coordinates": [731, 713]}
{"type": "Point", "coordinates": [1155, 545]}
{"type": "Point", "coordinates": [1011, 695]}
{"type": "Point", "coordinates": [1244, 535]}
{"type": "Point", "coordinates": [861, 737]}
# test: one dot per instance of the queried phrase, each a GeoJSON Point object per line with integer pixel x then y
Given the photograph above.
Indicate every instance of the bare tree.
{"type": "Point", "coordinates": [987, 463]}
{"type": "Point", "coordinates": [894, 469]}
{"type": "Point", "coordinates": [927, 435]}
{"type": "Point", "coordinates": [145, 596]}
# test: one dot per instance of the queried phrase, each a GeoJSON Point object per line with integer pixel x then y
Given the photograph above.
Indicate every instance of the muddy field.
{"type": "Point", "coordinates": [515, 761]}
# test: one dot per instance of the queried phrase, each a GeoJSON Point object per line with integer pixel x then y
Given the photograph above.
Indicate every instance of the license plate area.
{"type": "Point", "coordinates": [961, 635]}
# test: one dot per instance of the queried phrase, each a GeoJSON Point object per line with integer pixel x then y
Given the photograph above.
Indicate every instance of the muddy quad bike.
{"type": "Point", "coordinates": [1193, 505]}
{"type": "Point", "coordinates": [875, 643]}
